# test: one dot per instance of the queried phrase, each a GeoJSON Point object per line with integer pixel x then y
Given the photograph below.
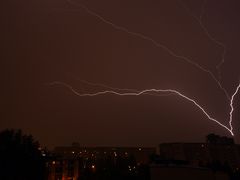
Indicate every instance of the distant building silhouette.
{"type": "Point", "coordinates": [216, 159]}
{"type": "Point", "coordinates": [74, 162]}
{"type": "Point", "coordinates": [185, 172]}
{"type": "Point", "coordinates": [216, 139]}
{"type": "Point", "coordinates": [216, 149]}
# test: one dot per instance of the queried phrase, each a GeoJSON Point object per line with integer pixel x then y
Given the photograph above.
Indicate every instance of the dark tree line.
{"type": "Point", "coordinates": [20, 157]}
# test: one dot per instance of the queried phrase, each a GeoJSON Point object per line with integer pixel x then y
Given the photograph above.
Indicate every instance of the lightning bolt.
{"type": "Point", "coordinates": [155, 92]}
{"type": "Point", "coordinates": [151, 40]}
{"type": "Point", "coordinates": [149, 91]}
{"type": "Point", "coordinates": [231, 106]}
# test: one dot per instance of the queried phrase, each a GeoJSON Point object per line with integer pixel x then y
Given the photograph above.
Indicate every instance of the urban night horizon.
{"type": "Point", "coordinates": [131, 75]}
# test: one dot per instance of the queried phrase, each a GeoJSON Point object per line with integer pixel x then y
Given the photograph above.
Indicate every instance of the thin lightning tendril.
{"type": "Point", "coordinates": [221, 44]}
{"type": "Point", "coordinates": [121, 89]}
{"type": "Point", "coordinates": [205, 30]}
{"type": "Point", "coordinates": [151, 40]}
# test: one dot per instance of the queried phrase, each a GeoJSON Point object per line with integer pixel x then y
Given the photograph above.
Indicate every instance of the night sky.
{"type": "Point", "coordinates": [42, 41]}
